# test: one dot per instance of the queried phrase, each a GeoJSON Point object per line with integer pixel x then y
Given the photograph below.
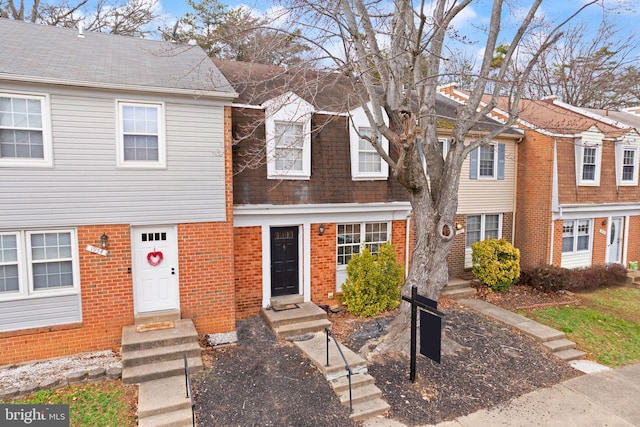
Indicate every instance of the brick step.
{"type": "Point", "coordinates": [359, 380]}
{"type": "Point", "coordinates": [369, 409]}
{"type": "Point", "coordinates": [179, 418]}
{"type": "Point", "coordinates": [158, 370]}
{"type": "Point", "coordinates": [301, 328]}
{"type": "Point", "coordinates": [162, 396]}
{"type": "Point", "coordinates": [559, 345]}
{"type": "Point", "coordinates": [158, 354]}
{"type": "Point", "coordinates": [360, 394]}
{"type": "Point", "coordinates": [571, 354]}
{"type": "Point", "coordinates": [183, 332]}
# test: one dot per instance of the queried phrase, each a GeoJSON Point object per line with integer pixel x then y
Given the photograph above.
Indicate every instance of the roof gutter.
{"type": "Point", "coordinates": [114, 86]}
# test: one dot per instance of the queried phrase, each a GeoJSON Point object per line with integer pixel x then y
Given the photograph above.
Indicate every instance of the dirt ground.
{"type": "Point", "coordinates": [267, 382]}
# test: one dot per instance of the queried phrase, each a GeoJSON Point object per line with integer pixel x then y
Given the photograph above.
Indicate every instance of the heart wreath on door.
{"type": "Point", "coordinates": [154, 258]}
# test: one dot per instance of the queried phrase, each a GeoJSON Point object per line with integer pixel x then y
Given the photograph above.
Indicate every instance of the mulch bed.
{"type": "Point", "coordinates": [268, 382]}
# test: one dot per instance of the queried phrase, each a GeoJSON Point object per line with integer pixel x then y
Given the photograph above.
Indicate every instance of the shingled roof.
{"type": "Point", "coordinates": [327, 92]}
{"type": "Point", "coordinates": [42, 53]}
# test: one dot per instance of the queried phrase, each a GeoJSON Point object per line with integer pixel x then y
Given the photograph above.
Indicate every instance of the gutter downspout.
{"type": "Point", "coordinates": [406, 249]}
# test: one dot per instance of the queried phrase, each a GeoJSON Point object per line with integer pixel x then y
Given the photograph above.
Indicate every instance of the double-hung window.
{"type": "Point", "coordinates": [589, 163]}
{"type": "Point", "coordinates": [369, 161]}
{"type": "Point", "coordinates": [289, 147]}
{"type": "Point", "coordinates": [627, 157]}
{"type": "Point", "coordinates": [141, 136]}
{"type": "Point", "coordinates": [478, 228]}
{"type": "Point", "coordinates": [38, 262]}
{"type": "Point", "coordinates": [25, 138]}
{"type": "Point", "coordinates": [588, 159]}
{"type": "Point", "coordinates": [576, 235]}
{"type": "Point", "coordinates": [487, 162]}
{"type": "Point", "coordinates": [366, 162]}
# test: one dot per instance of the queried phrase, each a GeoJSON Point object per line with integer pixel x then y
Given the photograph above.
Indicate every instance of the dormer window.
{"type": "Point", "coordinates": [589, 157]}
{"type": "Point", "coordinates": [366, 162]}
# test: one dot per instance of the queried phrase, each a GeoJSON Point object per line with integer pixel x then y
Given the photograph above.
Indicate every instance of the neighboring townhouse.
{"type": "Point", "coordinates": [115, 189]}
{"type": "Point", "coordinates": [308, 191]}
{"type": "Point", "coordinates": [578, 200]}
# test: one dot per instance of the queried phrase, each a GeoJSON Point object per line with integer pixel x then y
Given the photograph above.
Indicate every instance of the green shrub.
{"type": "Point", "coordinates": [549, 278]}
{"type": "Point", "coordinates": [496, 263]}
{"type": "Point", "coordinates": [373, 282]}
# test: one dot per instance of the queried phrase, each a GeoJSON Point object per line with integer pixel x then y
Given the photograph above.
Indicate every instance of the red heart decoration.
{"type": "Point", "coordinates": [154, 258]}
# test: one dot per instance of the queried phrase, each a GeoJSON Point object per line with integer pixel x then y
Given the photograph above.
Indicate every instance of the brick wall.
{"type": "Point", "coordinates": [248, 275]}
{"type": "Point", "coordinates": [107, 304]}
{"type": "Point", "coordinates": [323, 264]}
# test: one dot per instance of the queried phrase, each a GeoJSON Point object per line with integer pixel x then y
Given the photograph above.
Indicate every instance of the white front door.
{"type": "Point", "coordinates": [614, 243]}
{"type": "Point", "coordinates": [155, 269]}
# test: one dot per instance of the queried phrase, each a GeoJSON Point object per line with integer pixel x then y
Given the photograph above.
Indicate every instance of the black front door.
{"type": "Point", "coordinates": [284, 261]}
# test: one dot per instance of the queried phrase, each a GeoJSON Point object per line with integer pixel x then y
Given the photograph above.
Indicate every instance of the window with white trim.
{"type": "Point", "coordinates": [588, 162]}
{"type": "Point", "coordinates": [141, 139]}
{"type": "Point", "coordinates": [366, 162]}
{"type": "Point", "coordinates": [629, 172]}
{"type": "Point", "coordinates": [25, 139]}
{"type": "Point", "coordinates": [352, 237]}
{"type": "Point", "coordinates": [446, 146]}
{"type": "Point", "coordinates": [576, 235]}
{"type": "Point", "coordinates": [289, 148]}
{"type": "Point", "coordinates": [38, 263]}
{"type": "Point", "coordinates": [482, 227]}
{"type": "Point", "coordinates": [488, 162]}
{"type": "Point", "coordinates": [369, 161]}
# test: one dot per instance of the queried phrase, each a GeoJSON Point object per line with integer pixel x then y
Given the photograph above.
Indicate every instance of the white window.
{"type": "Point", "coordinates": [478, 228]}
{"type": "Point", "coordinates": [288, 134]}
{"type": "Point", "coordinates": [576, 235]}
{"type": "Point", "coordinates": [446, 146]}
{"type": "Point", "coordinates": [36, 263]}
{"type": "Point", "coordinates": [366, 162]}
{"type": "Point", "coordinates": [141, 139]}
{"type": "Point", "coordinates": [289, 148]}
{"type": "Point", "coordinates": [488, 162]}
{"type": "Point", "coordinates": [588, 161]}
{"type": "Point", "coordinates": [628, 166]}
{"type": "Point", "coordinates": [350, 239]}
{"type": "Point", "coordinates": [25, 138]}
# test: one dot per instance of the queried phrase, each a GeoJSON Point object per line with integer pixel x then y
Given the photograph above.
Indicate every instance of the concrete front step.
{"type": "Point", "coordinates": [179, 418]}
{"type": "Point", "coordinates": [369, 409]}
{"type": "Point", "coordinates": [456, 283]}
{"type": "Point", "coordinates": [157, 316]}
{"type": "Point", "coordinates": [306, 312]}
{"type": "Point", "coordinates": [316, 350]}
{"type": "Point", "coordinates": [286, 299]}
{"type": "Point", "coordinates": [458, 293]}
{"type": "Point", "coordinates": [359, 380]}
{"type": "Point", "coordinates": [559, 345]}
{"type": "Point", "coordinates": [183, 332]}
{"type": "Point", "coordinates": [158, 370]}
{"type": "Point", "coordinates": [302, 328]}
{"type": "Point", "coordinates": [162, 396]}
{"type": "Point", "coordinates": [160, 354]}
{"type": "Point", "coordinates": [360, 394]}
{"type": "Point", "coordinates": [571, 354]}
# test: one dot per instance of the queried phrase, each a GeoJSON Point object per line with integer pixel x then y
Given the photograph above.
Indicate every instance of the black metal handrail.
{"type": "Point", "coordinates": [187, 384]}
{"type": "Point", "coordinates": [346, 364]}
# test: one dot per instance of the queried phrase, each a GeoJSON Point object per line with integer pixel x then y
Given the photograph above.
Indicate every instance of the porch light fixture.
{"type": "Point", "coordinates": [458, 226]}
{"type": "Point", "coordinates": [321, 229]}
{"type": "Point", "coordinates": [604, 222]}
{"type": "Point", "coordinates": [104, 241]}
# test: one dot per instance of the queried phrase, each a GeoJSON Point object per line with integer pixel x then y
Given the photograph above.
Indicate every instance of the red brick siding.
{"type": "Point", "coordinates": [248, 274]}
{"type": "Point", "coordinates": [323, 264]}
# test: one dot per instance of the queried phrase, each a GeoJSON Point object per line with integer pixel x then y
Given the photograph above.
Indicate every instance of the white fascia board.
{"type": "Point", "coordinates": [252, 215]}
{"type": "Point", "coordinates": [114, 86]}
{"type": "Point", "coordinates": [577, 211]}
{"type": "Point", "coordinates": [523, 122]}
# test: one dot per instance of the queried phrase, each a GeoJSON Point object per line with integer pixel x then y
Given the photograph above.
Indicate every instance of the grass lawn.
{"type": "Point", "coordinates": [101, 404]}
{"type": "Point", "coordinates": [605, 323]}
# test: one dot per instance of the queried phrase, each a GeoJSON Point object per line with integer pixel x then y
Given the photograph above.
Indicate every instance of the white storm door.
{"type": "Point", "coordinates": [155, 269]}
{"type": "Point", "coordinates": [614, 243]}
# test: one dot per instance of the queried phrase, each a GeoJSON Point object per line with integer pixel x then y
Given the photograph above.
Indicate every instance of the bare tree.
{"type": "Point", "coordinates": [582, 68]}
{"type": "Point", "coordinates": [128, 17]}
{"type": "Point", "coordinates": [393, 54]}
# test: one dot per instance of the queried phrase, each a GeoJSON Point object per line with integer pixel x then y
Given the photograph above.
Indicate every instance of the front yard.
{"type": "Point", "coordinates": [605, 323]}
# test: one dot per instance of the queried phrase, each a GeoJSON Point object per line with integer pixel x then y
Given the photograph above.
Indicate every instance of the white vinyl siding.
{"type": "Point", "coordinates": [472, 193]}
{"type": "Point", "coordinates": [25, 138]}
{"type": "Point", "coordinates": [86, 187]}
{"type": "Point", "coordinates": [40, 312]}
